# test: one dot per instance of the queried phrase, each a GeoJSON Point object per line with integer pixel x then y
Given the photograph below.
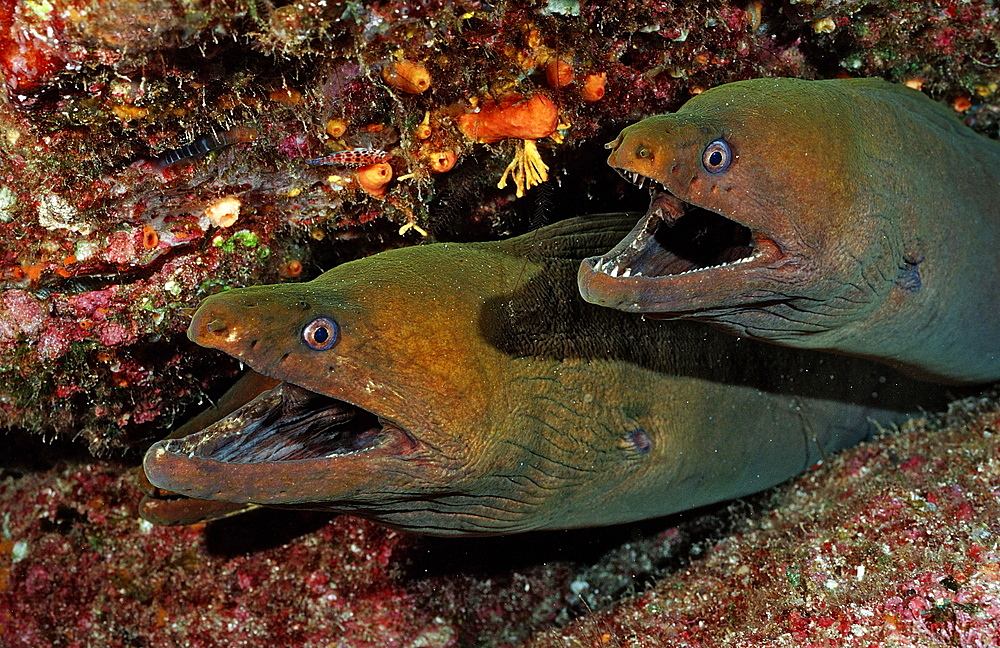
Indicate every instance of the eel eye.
{"type": "Point", "coordinates": [717, 156]}
{"type": "Point", "coordinates": [320, 334]}
{"type": "Point", "coordinates": [643, 152]}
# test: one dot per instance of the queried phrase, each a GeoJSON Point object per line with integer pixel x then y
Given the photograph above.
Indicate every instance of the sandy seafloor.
{"type": "Point", "coordinates": [892, 543]}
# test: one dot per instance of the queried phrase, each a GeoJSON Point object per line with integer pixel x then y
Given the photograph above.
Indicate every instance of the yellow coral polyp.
{"type": "Point", "coordinates": [527, 169]}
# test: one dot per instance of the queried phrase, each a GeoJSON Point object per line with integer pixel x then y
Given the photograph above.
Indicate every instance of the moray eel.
{"type": "Point", "coordinates": [468, 389]}
{"type": "Point", "coordinates": [853, 216]}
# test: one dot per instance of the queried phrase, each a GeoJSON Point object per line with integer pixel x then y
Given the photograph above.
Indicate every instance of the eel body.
{"type": "Point", "coordinates": [468, 389]}
{"type": "Point", "coordinates": [853, 216]}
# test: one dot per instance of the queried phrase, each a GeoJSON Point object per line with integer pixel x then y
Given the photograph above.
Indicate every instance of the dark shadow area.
{"type": "Point", "coordinates": [496, 556]}
{"type": "Point", "coordinates": [581, 183]}
{"type": "Point", "coordinates": [260, 529]}
{"type": "Point", "coordinates": [26, 453]}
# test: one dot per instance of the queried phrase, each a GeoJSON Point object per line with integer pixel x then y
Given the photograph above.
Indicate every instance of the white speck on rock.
{"type": "Point", "coordinates": [54, 212]}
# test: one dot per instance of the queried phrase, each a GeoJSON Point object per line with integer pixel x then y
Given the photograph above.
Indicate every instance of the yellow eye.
{"type": "Point", "coordinates": [643, 152]}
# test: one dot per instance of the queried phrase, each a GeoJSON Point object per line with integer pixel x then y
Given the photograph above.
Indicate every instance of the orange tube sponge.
{"type": "Point", "coordinates": [513, 115]}
{"type": "Point", "coordinates": [374, 178]}
{"type": "Point", "coordinates": [593, 86]}
{"type": "Point", "coordinates": [407, 76]}
{"type": "Point", "coordinates": [336, 127]}
{"type": "Point", "coordinates": [559, 73]}
{"type": "Point", "coordinates": [442, 161]}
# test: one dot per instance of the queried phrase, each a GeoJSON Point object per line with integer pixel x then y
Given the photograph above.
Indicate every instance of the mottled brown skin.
{"type": "Point", "coordinates": [491, 399]}
{"type": "Point", "coordinates": [870, 224]}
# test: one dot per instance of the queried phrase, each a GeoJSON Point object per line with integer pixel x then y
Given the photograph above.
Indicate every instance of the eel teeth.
{"type": "Point", "coordinates": [614, 269]}
{"type": "Point", "coordinates": [640, 180]}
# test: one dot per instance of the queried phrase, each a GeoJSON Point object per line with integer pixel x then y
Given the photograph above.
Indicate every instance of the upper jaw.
{"type": "Point", "coordinates": [679, 257]}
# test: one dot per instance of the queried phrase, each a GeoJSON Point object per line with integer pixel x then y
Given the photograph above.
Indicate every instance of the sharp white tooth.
{"type": "Point", "coordinates": [614, 272]}
{"type": "Point", "coordinates": [598, 265]}
{"type": "Point", "coordinates": [638, 274]}
{"type": "Point", "coordinates": [627, 273]}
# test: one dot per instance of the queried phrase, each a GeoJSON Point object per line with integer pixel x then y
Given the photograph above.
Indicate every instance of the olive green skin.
{"type": "Point", "coordinates": [523, 406]}
{"type": "Point", "coordinates": [875, 213]}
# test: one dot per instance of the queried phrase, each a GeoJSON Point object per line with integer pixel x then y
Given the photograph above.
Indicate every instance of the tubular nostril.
{"type": "Point", "coordinates": [215, 326]}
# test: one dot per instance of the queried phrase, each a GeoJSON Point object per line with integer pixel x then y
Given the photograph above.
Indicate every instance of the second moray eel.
{"type": "Point", "coordinates": [468, 389]}
{"type": "Point", "coordinates": [854, 216]}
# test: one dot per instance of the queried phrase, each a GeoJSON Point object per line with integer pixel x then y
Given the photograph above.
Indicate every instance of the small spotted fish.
{"type": "Point", "coordinates": [356, 157]}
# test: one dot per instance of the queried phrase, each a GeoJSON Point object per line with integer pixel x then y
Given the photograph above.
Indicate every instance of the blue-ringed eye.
{"type": "Point", "coordinates": [717, 156]}
{"type": "Point", "coordinates": [320, 334]}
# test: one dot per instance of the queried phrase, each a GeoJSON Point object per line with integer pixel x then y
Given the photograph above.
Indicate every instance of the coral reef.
{"type": "Point", "coordinates": [153, 153]}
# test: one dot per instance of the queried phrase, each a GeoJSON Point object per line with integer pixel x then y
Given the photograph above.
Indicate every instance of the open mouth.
{"type": "Point", "coordinates": [287, 423]}
{"type": "Point", "coordinates": [677, 238]}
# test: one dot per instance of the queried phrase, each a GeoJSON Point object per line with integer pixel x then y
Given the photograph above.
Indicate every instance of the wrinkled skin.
{"type": "Point", "coordinates": [469, 390]}
{"type": "Point", "coordinates": [853, 216]}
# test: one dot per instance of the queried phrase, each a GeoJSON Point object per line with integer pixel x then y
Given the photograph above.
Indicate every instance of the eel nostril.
{"type": "Point", "coordinates": [215, 326]}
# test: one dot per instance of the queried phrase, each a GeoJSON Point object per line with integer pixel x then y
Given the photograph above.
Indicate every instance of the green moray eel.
{"type": "Point", "coordinates": [853, 216]}
{"type": "Point", "coordinates": [468, 389]}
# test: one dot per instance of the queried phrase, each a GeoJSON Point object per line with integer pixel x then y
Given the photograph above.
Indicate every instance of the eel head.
{"type": "Point", "coordinates": [443, 389]}
{"type": "Point", "coordinates": [377, 412]}
{"type": "Point", "coordinates": [746, 195]}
